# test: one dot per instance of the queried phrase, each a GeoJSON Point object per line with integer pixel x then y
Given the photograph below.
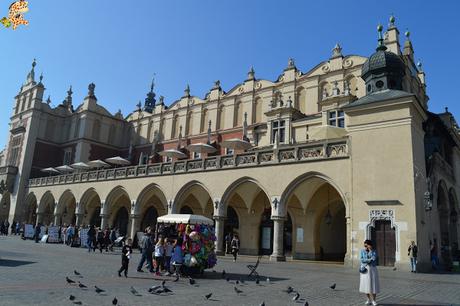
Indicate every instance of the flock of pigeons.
{"type": "Point", "coordinates": [162, 289]}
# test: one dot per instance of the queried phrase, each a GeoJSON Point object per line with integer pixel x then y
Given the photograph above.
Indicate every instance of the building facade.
{"type": "Point", "coordinates": [321, 160]}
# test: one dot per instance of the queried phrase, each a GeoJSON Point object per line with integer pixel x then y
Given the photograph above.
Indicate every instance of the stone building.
{"type": "Point", "coordinates": [306, 166]}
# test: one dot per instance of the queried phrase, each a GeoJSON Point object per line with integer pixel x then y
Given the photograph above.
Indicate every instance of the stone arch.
{"type": "Point", "coordinates": [318, 212]}
{"type": "Point", "coordinates": [117, 208]}
{"type": "Point", "coordinates": [30, 209]}
{"type": "Point", "coordinates": [45, 210]}
{"type": "Point", "coordinates": [66, 208]}
{"type": "Point", "coordinates": [195, 195]}
{"type": "Point", "coordinates": [151, 203]}
{"type": "Point", "coordinates": [90, 207]}
{"type": "Point", "coordinates": [251, 202]}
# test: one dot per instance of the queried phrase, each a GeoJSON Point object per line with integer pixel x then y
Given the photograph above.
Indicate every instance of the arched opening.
{"type": "Point", "coordinates": [248, 206]}
{"type": "Point", "coordinates": [121, 221]}
{"type": "Point", "coordinates": [31, 209]}
{"type": "Point", "coordinates": [444, 216]}
{"type": "Point", "coordinates": [150, 218]}
{"type": "Point", "coordinates": [186, 210]}
{"type": "Point", "coordinates": [46, 209]}
{"type": "Point", "coordinates": [66, 209]}
{"type": "Point", "coordinates": [316, 216]}
{"type": "Point", "coordinates": [90, 207]}
{"type": "Point", "coordinates": [196, 198]}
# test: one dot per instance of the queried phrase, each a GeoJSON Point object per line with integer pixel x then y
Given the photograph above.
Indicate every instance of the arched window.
{"type": "Point", "coordinates": [96, 129]}
{"type": "Point", "coordinates": [204, 121]}
{"type": "Point", "coordinates": [189, 124]}
{"type": "Point", "coordinates": [301, 103]}
{"type": "Point", "coordinates": [222, 117]}
{"type": "Point", "coordinates": [23, 103]}
{"type": "Point", "coordinates": [238, 114]}
{"type": "Point", "coordinates": [258, 110]}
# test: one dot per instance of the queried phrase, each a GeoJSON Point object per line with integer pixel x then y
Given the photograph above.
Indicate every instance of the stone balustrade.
{"type": "Point", "coordinates": [287, 154]}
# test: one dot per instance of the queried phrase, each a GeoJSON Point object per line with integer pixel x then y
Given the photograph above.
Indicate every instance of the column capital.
{"type": "Point", "coordinates": [278, 218]}
{"type": "Point", "coordinates": [79, 213]}
{"type": "Point", "coordinates": [104, 216]}
{"type": "Point", "coordinates": [219, 218]}
{"type": "Point", "coordinates": [134, 216]}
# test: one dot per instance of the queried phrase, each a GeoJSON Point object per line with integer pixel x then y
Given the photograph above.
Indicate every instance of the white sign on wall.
{"type": "Point", "coordinates": [53, 234]}
{"type": "Point", "coordinates": [266, 237]}
{"type": "Point", "coordinates": [299, 234]}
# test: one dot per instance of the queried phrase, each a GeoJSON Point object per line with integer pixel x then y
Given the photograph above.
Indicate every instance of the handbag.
{"type": "Point", "coordinates": [362, 269]}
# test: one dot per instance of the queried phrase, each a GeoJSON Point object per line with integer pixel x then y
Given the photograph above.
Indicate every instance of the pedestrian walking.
{"type": "Point", "coordinates": [37, 232]}
{"type": "Point", "coordinates": [369, 278]}
{"type": "Point", "coordinates": [91, 237]}
{"type": "Point", "coordinates": [18, 228]}
{"type": "Point", "coordinates": [235, 244]}
{"type": "Point", "coordinates": [412, 253]}
{"type": "Point", "coordinates": [126, 252]}
{"type": "Point", "coordinates": [146, 245]}
{"type": "Point", "coordinates": [106, 238]}
{"type": "Point", "coordinates": [7, 227]}
{"type": "Point", "coordinates": [99, 240]}
{"type": "Point", "coordinates": [13, 228]}
{"type": "Point", "coordinates": [434, 254]}
{"type": "Point", "coordinates": [113, 237]}
{"type": "Point", "coordinates": [159, 253]}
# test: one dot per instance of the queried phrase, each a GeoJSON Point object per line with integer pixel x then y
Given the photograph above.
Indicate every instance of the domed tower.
{"type": "Point", "coordinates": [383, 70]}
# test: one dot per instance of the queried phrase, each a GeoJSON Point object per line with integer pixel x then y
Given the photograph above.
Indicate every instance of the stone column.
{"type": "Point", "coordinates": [135, 219]}
{"type": "Point", "coordinates": [104, 221]}
{"type": "Point", "coordinates": [79, 218]}
{"type": "Point", "coordinates": [57, 219]}
{"type": "Point", "coordinates": [219, 235]}
{"type": "Point", "coordinates": [278, 233]}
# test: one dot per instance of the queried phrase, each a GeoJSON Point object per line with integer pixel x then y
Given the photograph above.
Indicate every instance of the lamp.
{"type": "Point", "coordinates": [427, 197]}
{"type": "Point", "coordinates": [328, 217]}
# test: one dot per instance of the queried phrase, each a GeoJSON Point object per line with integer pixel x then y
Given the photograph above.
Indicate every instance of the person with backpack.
{"type": "Point", "coordinates": [91, 237]}
{"type": "Point", "coordinates": [412, 253]}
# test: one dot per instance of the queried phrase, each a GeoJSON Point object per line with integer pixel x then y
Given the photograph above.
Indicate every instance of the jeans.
{"type": "Point", "coordinates": [413, 264]}
{"type": "Point", "coordinates": [146, 256]}
{"type": "Point", "coordinates": [89, 244]}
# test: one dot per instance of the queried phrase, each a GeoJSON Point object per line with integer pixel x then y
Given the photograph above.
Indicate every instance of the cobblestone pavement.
{"type": "Point", "coordinates": [34, 274]}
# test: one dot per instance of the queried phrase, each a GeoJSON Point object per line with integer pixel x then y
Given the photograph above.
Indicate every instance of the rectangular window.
{"type": "Point", "coordinates": [15, 149]}
{"type": "Point", "coordinates": [336, 118]}
{"type": "Point", "coordinates": [278, 127]}
{"type": "Point", "coordinates": [67, 157]}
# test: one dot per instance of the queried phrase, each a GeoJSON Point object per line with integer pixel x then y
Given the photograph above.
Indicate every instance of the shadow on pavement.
{"type": "Point", "coordinates": [14, 263]}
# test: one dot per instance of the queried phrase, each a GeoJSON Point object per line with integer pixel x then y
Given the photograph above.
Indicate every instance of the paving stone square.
{"type": "Point", "coordinates": [34, 274]}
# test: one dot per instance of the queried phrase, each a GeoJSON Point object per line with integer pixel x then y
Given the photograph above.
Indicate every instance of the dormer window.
{"type": "Point", "coordinates": [336, 118]}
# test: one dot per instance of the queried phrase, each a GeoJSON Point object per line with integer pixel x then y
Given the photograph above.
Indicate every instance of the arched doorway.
{"type": "Point", "coordinates": [66, 209]}
{"type": "Point", "coordinates": [46, 209]}
{"type": "Point", "coordinates": [90, 207]}
{"type": "Point", "coordinates": [251, 207]}
{"type": "Point", "coordinates": [315, 218]}
{"type": "Point", "coordinates": [150, 218]}
{"type": "Point", "coordinates": [444, 216]}
{"type": "Point", "coordinates": [186, 210]}
{"type": "Point", "coordinates": [121, 221]}
{"type": "Point", "coordinates": [287, 236]}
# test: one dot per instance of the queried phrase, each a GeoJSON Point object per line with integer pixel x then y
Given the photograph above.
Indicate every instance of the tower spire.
{"type": "Point", "coordinates": [31, 75]}
{"type": "Point", "coordinates": [150, 101]}
{"type": "Point", "coordinates": [380, 46]}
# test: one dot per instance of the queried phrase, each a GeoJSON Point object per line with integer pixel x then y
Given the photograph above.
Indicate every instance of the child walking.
{"type": "Point", "coordinates": [126, 252]}
{"type": "Point", "coordinates": [168, 254]}
{"type": "Point", "coordinates": [159, 253]}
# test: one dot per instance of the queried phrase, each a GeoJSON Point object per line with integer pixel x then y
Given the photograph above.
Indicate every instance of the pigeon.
{"type": "Point", "coordinates": [99, 290]}
{"type": "Point", "coordinates": [237, 282]}
{"type": "Point", "coordinates": [134, 291]}
{"type": "Point", "coordinates": [257, 281]}
{"type": "Point", "coordinates": [71, 297]}
{"type": "Point", "coordinates": [207, 296]}
{"type": "Point", "coordinates": [262, 304]}
{"type": "Point", "coordinates": [191, 281]}
{"type": "Point", "coordinates": [69, 281]}
{"type": "Point", "coordinates": [268, 280]}
{"type": "Point", "coordinates": [163, 283]}
{"type": "Point", "coordinates": [238, 291]}
{"type": "Point", "coordinates": [289, 289]}
{"type": "Point", "coordinates": [296, 297]}
{"type": "Point", "coordinates": [176, 279]}
{"type": "Point", "coordinates": [333, 286]}
{"type": "Point", "coordinates": [394, 269]}
{"type": "Point", "coordinates": [223, 273]}
{"type": "Point", "coordinates": [76, 272]}
{"type": "Point", "coordinates": [305, 304]}
{"type": "Point", "coordinates": [227, 279]}
{"type": "Point", "coordinates": [77, 302]}
{"type": "Point", "coordinates": [154, 289]}
{"type": "Point", "coordinates": [114, 301]}
{"type": "Point", "coordinates": [81, 285]}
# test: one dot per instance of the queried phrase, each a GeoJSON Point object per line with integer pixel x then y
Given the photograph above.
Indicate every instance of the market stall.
{"type": "Point", "coordinates": [197, 233]}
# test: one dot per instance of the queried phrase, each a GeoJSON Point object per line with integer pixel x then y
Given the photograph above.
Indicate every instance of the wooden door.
{"type": "Point", "coordinates": [383, 236]}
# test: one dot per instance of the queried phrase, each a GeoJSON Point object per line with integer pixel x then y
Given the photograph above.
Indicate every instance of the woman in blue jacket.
{"type": "Point", "coordinates": [369, 277]}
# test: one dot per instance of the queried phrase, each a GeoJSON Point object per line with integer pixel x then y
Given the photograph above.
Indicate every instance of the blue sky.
{"type": "Point", "coordinates": [119, 45]}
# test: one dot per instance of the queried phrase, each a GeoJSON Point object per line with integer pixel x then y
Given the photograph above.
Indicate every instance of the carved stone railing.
{"type": "Point", "coordinates": [308, 152]}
